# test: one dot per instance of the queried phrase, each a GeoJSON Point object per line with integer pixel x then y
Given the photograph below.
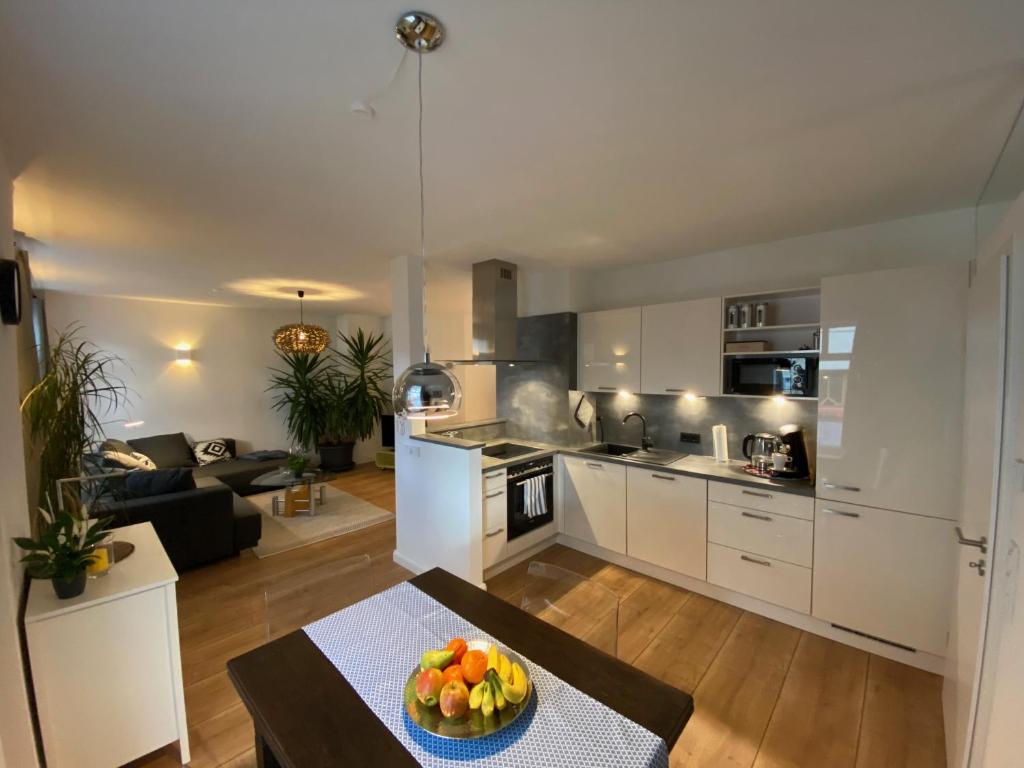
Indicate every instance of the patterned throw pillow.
{"type": "Point", "coordinates": [133, 460]}
{"type": "Point", "coordinates": [211, 451]}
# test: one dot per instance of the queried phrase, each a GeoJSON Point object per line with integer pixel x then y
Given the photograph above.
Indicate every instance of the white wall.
{"type": "Point", "coordinates": [222, 394]}
{"type": "Point", "coordinates": [933, 238]}
{"type": "Point", "coordinates": [17, 745]}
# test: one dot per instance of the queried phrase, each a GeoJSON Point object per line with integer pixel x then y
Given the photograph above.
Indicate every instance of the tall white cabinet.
{"type": "Point", "coordinates": [609, 350]}
{"type": "Point", "coordinates": [890, 400]}
{"type": "Point", "coordinates": [682, 348]}
{"type": "Point", "coordinates": [106, 666]}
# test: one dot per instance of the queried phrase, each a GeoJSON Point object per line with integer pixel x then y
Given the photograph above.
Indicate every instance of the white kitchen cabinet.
{"type": "Point", "coordinates": [609, 350]}
{"type": "Point", "coordinates": [765, 578]}
{"type": "Point", "coordinates": [886, 574]}
{"type": "Point", "coordinates": [594, 502]}
{"type": "Point", "coordinates": [890, 389]}
{"type": "Point", "coordinates": [495, 524]}
{"type": "Point", "coordinates": [763, 498]}
{"type": "Point", "coordinates": [666, 520]}
{"type": "Point", "coordinates": [788, 539]}
{"type": "Point", "coordinates": [681, 348]}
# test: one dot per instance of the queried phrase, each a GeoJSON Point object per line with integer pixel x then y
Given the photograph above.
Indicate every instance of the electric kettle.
{"type": "Point", "coordinates": [758, 449]}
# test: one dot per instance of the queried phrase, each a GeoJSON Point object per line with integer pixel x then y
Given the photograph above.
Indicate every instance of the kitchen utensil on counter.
{"type": "Point", "coordinates": [720, 438]}
{"type": "Point", "coordinates": [781, 459]}
{"type": "Point", "coordinates": [759, 447]}
{"type": "Point", "coordinates": [792, 437]}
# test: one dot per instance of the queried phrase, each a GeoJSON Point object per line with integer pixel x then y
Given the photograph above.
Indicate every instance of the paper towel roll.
{"type": "Point", "coordinates": [720, 438]}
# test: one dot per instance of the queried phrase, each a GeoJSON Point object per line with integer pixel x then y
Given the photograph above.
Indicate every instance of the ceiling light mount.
{"type": "Point", "coordinates": [419, 31]}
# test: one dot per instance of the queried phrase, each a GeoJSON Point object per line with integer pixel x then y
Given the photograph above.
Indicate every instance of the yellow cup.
{"type": "Point", "coordinates": [100, 562]}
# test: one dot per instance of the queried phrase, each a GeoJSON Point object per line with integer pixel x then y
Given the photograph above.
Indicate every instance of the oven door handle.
{"type": "Point", "coordinates": [516, 479]}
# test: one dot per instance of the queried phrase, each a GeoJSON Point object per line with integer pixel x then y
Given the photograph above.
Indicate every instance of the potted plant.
{"type": "Point", "coordinates": [64, 410]}
{"type": "Point", "coordinates": [63, 549]}
{"type": "Point", "coordinates": [356, 396]}
{"type": "Point", "coordinates": [300, 387]}
{"type": "Point", "coordinates": [297, 463]}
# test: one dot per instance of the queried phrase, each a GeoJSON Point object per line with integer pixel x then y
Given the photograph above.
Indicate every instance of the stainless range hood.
{"type": "Point", "coordinates": [495, 313]}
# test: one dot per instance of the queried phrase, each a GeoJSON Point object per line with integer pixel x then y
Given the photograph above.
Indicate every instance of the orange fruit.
{"type": "Point", "coordinates": [474, 666]}
{"type": "Point", "coordinates": [453, 672]}
{"type": "Point", "coordinates": [458, 645]}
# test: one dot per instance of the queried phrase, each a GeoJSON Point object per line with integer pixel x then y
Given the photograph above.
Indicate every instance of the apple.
{"type": "Point", "coordinates": [428, 686]}
{"type": "Point", "coordinates": [454, 699]}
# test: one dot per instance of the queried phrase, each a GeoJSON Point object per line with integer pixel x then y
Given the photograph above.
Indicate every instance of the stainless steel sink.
{"type": "Point", "coordinates": [658, 456]}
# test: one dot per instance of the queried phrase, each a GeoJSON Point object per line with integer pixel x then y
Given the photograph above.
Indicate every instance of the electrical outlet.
{"type": "Point", "coordinates": [689, 437]}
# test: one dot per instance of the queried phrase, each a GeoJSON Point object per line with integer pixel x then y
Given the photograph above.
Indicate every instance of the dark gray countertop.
{"type": "Point", "coordinates": [693, 466]}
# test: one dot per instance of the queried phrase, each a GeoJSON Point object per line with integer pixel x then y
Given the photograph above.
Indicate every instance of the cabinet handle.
{"type": "Point", "coordinates": [755, 561]}
{"type": "Point", "coordinates": [840, 487]}
{"type": "Point", "coordinates": [756, 516]}
{"type": "Point", "coordinates": [656, 476]}
{"type": "Point", "coordinates": [493, 475]}
{"type": "Point", "coordinates": [673, 389]}
{"type": "Point", "coordinates": [841, 512]}
{"type": "Point", "coordinates": [494, 494]}
{"type": "Point", "coordinates": [745, 492]}
{"type": "Point", "coordinates": [595, 465]}
{"type": "Point", "coordinates": [492, 534]}
{"type": "Point", "coordinates": [610, 389]}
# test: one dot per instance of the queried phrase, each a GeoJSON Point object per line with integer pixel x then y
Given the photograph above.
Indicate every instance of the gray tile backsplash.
{"type": "Point", "coordinates": [668, 416]}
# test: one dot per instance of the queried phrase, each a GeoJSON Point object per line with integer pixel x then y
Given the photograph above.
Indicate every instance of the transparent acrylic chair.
{"type": "Point", "coordinates": [312, 593]}
{"type": "Point", "coordinates": [574, 604]}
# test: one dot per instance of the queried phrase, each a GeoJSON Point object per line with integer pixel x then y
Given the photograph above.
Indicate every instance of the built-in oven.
{"type": "Point", "coordinates": [792, 376]}
{"type": "Point", "coordinates": [531, 496]}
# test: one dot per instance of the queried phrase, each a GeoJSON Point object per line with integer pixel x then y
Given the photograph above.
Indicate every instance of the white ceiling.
{"type": "Point", "coordinates": [168, 149]}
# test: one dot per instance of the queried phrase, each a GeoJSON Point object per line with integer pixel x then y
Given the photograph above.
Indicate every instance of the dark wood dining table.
{"type": "Point", "coordinates": [306, 715]}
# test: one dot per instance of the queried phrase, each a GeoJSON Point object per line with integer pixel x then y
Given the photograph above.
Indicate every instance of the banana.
{"type": "Point", "coordinates": [487, 705]}
{"type": "Point", "coordinates": [492, 657]}
{"type": "Point", "coordinates": [505, 668]}
{"type": "Point", "coordinates": [476, 696]}
{"type": "Point", "coordinates": [497, 684]}
{"type": "Point", "coordinates": [515, 692]}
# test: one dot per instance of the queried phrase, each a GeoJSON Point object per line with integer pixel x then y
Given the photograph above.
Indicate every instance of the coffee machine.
{"type": "Point", "coordinates": [778, 455]}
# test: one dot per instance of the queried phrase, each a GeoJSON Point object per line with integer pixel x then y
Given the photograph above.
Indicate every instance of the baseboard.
{"type": "Point", "coordinates": [919, 659]}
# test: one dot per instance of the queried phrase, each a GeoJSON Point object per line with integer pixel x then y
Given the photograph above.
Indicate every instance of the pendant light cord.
{"type": "Point", "coordinates": [423, 205]}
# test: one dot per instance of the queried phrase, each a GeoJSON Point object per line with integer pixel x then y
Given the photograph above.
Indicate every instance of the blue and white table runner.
{"type": "Point", "coordinates": [376, 643]}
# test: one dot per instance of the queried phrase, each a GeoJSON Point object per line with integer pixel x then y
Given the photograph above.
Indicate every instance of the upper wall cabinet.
{"type": "Point", "coordinates": [890, 389]}
{"type": "Point", "coordinates": [609, 350]}
{"type": "Point", "coordinates": [681, 348]}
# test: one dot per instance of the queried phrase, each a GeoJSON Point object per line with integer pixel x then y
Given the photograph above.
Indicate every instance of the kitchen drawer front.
{"type": "Point", "coordinates": [494, 546]}
{"type": "Point", "coordinates": [495, 509]}
{"type": "Point", "coordinates": [762, 577]}
{"type": "Point", "coordinates": [767, 500]}
{"type": "Point", "coordinates": [762, 533]}
{"type": "Point", "coordinates": [494, 479]}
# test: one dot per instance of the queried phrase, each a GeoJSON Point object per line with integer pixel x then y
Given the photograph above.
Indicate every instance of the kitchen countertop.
{"type": "Point", "coordinates": [693, 465]}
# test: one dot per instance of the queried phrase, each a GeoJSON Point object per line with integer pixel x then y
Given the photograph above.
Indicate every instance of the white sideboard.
{"type": "Point", "coordinates": [106, 666]}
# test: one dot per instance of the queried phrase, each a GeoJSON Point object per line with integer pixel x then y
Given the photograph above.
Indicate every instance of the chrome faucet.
{"type": "Point", "coordinates": [645, 442]}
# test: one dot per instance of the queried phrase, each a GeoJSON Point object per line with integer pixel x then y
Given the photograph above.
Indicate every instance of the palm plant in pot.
{"type": "Point", "coordinates": [63, 548]}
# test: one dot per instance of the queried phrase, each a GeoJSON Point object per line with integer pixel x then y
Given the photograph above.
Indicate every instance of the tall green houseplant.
{"type": "Point", "coordinates": [365, 362]}
{"type": "Point", "coordinates": [65, 410]}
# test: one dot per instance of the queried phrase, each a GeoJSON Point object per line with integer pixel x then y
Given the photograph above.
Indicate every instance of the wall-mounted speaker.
{"type": "Point", "coordinates": [10, 292]}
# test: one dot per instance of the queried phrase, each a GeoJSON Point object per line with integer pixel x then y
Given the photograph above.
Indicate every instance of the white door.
{"type": "Point", "coordinates": [594, 502]}
{"type": "Point", "coordinates": [666, 520]}
{"type": "Point", "coordinates": [983, 413]}
{"type": "Point", "coordinates": [681, 350]}
{"type": "Point", "coordinates": [609, 350]}
{"type": "Point", "coordinates": [890, 389]}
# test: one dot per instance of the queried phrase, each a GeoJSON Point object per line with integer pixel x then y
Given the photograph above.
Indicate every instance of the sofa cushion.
{"type": "Point", "coordinates": [157, 482]}
{"type": "Point", "coordinates": [126, 460]}
{"type": "Point", "coordinates": [211, 451]}
{"type": "Point", "coordinates": [238, 474]}
{"type": "Point", "coordinates": [166, 450]}
{"type": "Point", "coordinates": [110, 444]}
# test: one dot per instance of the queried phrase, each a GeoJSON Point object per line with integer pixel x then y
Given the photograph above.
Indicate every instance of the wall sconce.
{"type": "Point", "coordinates": [183, 355]}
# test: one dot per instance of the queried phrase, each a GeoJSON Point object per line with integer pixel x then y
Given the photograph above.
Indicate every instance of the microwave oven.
{"type": "Point", "coordinates": [768, 375]}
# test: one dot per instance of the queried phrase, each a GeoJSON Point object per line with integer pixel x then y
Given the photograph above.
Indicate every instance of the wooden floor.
{"type": "Point", "coordinates": [767, 695]}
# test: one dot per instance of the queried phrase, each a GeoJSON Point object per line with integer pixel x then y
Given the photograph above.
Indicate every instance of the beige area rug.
{"type": "Point", "coordinates": [340, 513]}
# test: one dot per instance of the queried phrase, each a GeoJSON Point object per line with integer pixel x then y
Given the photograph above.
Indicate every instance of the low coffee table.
{"type": "Point", "coordinates": [299, 494]}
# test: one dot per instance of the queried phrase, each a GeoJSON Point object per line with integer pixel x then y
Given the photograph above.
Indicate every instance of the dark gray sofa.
{"type": "Point", "coordinates": [203, 524]}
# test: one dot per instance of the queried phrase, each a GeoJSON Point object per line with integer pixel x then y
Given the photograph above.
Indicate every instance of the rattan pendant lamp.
{"type": "Point", "coordinates": [301, 337]}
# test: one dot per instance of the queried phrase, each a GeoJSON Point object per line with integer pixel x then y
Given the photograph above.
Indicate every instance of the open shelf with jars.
{"type": "Point", "coordinates": [767, 324]}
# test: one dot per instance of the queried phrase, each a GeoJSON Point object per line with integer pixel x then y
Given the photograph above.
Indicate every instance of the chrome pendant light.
{"type": "Point", "coordinates": [424, 391]}
{"type": "Point", "coordinates": [300, 337]}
